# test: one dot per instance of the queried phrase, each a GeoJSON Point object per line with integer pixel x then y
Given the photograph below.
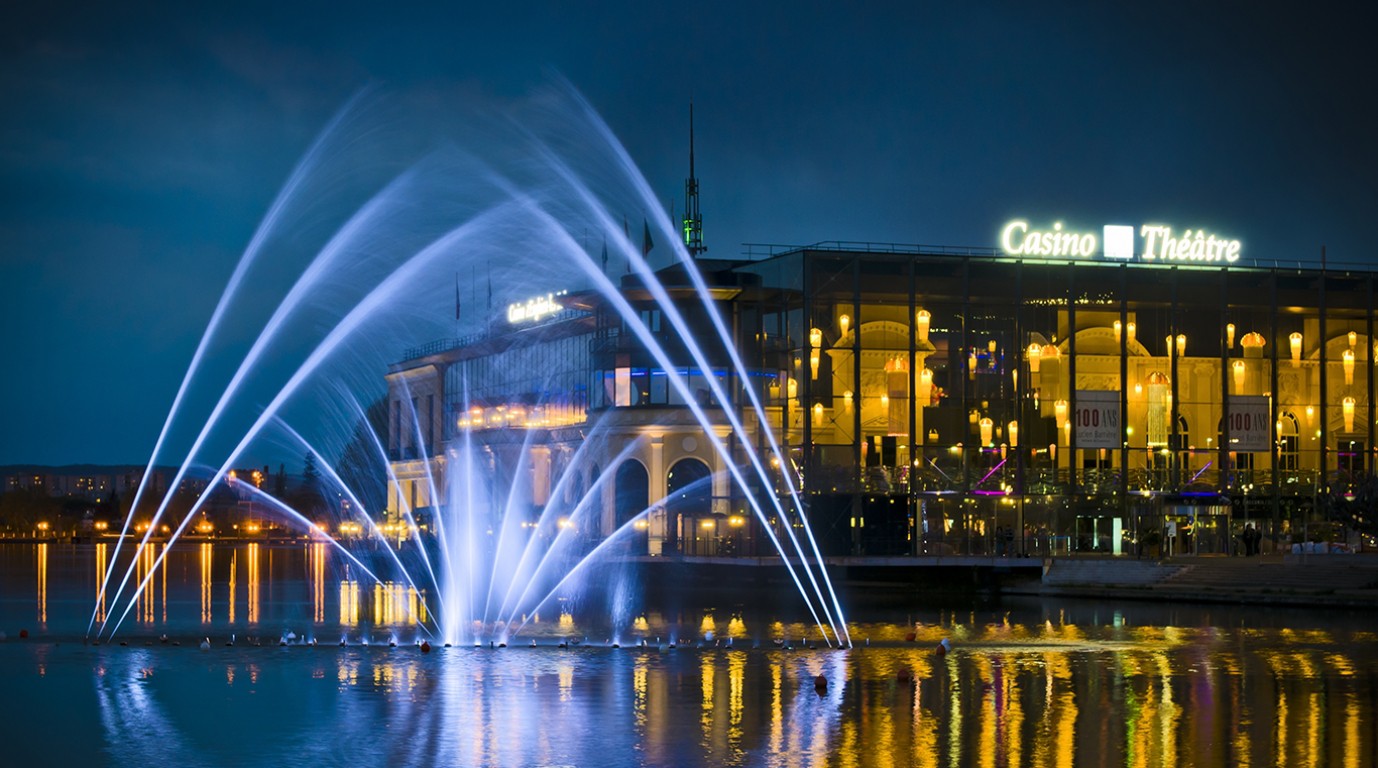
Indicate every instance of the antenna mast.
{"type": "Point", "coordinates": [693, 222]}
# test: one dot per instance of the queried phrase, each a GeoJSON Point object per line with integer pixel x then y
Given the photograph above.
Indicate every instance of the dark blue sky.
{"type": "Point", "coordinates": [141, 145]}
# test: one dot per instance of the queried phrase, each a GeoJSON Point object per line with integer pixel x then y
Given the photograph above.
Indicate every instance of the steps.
{"type": "Point", "coordinates": [1250, 576]}
{"type": "Point", "coordinates": [1106, 573]}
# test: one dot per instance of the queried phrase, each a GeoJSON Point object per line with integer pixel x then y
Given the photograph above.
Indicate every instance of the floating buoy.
{"type": "Point", "coordinates": [909, 638]}
{"type": "Point", "coordinates": [820, 683]}
{"type": "Point", "coordinates": [23, 634]}
{"type": "Point", "coordinates": [425, 647]}
{"type": "Point", "coordinates": [206, 644]}
{"type": "Point", "coordinates": [902, 674]}
{"type": "Point", "coordinates": [943, 647]}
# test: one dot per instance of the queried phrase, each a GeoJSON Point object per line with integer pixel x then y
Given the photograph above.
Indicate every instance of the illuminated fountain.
{"type": "Point", "coordinates": [478, 568]}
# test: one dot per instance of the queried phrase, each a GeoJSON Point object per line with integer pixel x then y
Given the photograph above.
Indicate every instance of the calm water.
{"type": "Point", "coordinates": [1027, 683]}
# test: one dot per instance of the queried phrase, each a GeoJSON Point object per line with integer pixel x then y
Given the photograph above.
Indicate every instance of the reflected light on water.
{"type": "Point", "coordinates": [1028, 687]}
{"type": "Point", "coordinates": [145, 604]}
{"type": "Point", "coordinates": [101, 566]}
{"type": "Point", "coordinates": [206, 559]}
{"type": "Point", "coordinates": [396, 604]}
{"type": "Point", "coordinates": [253, 582]}
{"type": "Point", "coordinates": [233, 582]}
{"type": "Point", "coordinates": [349, 603]}
{"type": "Point", "coordinates": [316, 579]}
{"type": "Point", "coordinates": [43, 584]}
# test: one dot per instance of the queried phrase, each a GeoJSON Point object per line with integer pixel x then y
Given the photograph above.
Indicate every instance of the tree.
{"type": "Point", "coordinates": [310, 497]}
{"type": "Point", "coordinates": [23, 508]}
{"type": "Point", "coordinates": [362, 466]}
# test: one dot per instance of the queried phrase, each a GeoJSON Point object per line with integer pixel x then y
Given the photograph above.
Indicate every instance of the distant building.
{"type": "Point", "coordinates": [89, 482]}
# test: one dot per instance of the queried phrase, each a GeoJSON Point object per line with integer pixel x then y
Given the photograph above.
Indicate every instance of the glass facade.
{"type": "Point", "coordinates": [960, 404]}
{"type": "Point", "coordinates": [933, 402]}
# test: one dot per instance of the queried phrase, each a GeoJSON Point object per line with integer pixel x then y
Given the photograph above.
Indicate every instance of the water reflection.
{"type": "Point", "coordinates": [102, 562]}
{"type": "Point", "coordinates": [1028, 685]}
{"type": "Point", "coordinates": [349, 603]}
{"type": "Point", "coordinates": [207, 551]}
{"type": "Point", "coordinates": [396, 604]}
{"type": "Point", "coordinates": [43, 585]}
{"type": "Point", "coordinates": [316, 579]}
{"type": "Point", "coordinates": [146, 601]}
{"type": "Point", "coordinates": [252, 582]}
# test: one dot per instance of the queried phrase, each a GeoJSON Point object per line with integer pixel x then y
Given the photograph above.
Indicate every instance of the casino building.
{"type": "Point", "coordinates": [1120, 392]}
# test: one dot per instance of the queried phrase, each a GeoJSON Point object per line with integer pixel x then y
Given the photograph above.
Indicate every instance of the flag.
{"type": "Point", "coordinates": [646, 244]}
{"type": "Point", "coordinates": [605, 255]}
{"type": "Point", "coordinates": [456, 296]}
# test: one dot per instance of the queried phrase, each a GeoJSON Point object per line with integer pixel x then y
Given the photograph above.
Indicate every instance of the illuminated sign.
{"type": "Point", "coordinates": [1018, 238]}
{"type": "Point", "coordinates": [1191, 246]}
{"type": "Point", "coordinates": [532, 310]}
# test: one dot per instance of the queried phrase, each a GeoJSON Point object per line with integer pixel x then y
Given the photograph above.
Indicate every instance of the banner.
{"type": "Point", "coordinates": [1097, 419]}
{"type": "Point", "coordinates": [1249, 427]}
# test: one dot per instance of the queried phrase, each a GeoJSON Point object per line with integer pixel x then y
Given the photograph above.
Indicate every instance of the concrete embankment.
{"type": "Point", "coordinates": [1315, 581]}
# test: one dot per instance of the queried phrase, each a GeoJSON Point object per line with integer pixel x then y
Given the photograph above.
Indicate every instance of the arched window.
{"type": "Point", "coordinates": [1289, 446]}
{"type": "Point", "coordinates": [689, 489]}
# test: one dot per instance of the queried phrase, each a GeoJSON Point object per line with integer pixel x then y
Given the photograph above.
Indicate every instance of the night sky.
{"type": "Point", "coordinates": [142, 145]}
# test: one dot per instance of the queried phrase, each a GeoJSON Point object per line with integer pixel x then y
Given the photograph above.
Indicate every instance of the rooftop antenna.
{"type": "Point", "coordinates": [693, 222]}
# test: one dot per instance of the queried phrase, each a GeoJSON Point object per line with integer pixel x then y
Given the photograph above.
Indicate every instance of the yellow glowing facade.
{"type": "Point", "coordinates": [930, 403]}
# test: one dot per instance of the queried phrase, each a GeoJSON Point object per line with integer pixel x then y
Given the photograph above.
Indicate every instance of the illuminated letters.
{"type": "Point", "coordinates": [532, 310]}
{"type": "Point", "coordinates": [1018, 240]}
{"type": "Point", "coordinates": [1198, 246]}
{"type": "Point", "coordinates": [1159, 244]}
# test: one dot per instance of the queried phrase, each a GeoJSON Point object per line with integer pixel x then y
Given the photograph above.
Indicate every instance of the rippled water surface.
{"type": "Point", "coordinates": [1026, 683]}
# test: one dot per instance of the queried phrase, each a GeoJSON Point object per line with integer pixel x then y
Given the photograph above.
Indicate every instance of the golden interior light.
{"type": "Point", "coordinates": [921, 321]}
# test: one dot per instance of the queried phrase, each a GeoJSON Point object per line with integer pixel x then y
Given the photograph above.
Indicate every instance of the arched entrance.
{"type": "Point", "coordinates": [689, 507]}
{"type": "Point", "coordinates": [631, 495]}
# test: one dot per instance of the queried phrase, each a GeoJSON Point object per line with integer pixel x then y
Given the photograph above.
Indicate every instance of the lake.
{"type": "Point", "coordinates": [1027, 681]}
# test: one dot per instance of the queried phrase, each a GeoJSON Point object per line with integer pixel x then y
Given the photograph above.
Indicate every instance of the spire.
{"type": "Point", "coordinates": [693, 222]}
